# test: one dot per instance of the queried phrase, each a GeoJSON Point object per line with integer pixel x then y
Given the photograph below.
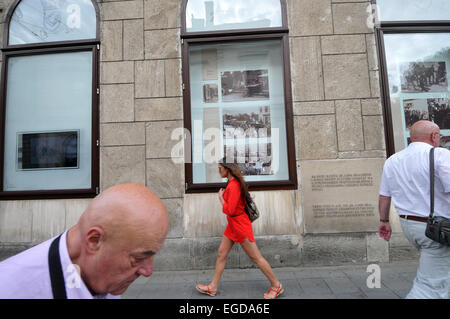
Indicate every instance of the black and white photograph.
{"type": "Point", "coordinates": [415, 110]}
{"type": "Point", "coordinates": [445, 142]}
{"type": "Point", "coordinates": [251, 85]}
{"type": "Point", "coordinates": [249, 119]}
{"type": "Point", "coordinates": [48, 150]}
{"type": "Point", "coordinates": [245, 139]}
{"type": "Point", "coordinates": [420, 77]}
{"type": "Point", "coordinates": [439, 112]}
{"type": "Point", "coordinates": [210, 93]}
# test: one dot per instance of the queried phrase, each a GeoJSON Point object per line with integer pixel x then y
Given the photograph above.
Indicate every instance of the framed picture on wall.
{"type": "Point", "coordinates": [421, 77]}
{"type": "Point", "coordinates": [247, 133]}
{"type": "Point", "coordinates": [251, 85]}
{"type": "Point", "coordinates": [48, 150]}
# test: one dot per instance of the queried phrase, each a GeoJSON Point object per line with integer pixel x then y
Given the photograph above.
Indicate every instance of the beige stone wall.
{"type": "Point", "coordinates": [337, 116]}
{"type": "Point", "coordinates": [141, 99]}
{"type": "Point", "coordinates": [337, 107]}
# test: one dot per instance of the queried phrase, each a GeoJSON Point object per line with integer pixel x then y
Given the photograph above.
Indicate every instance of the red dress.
{"type": "Point", "coordinates": [239, 225]}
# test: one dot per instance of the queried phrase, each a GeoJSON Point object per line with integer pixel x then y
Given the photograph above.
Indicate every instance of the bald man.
{"type": "Point", "coordinates": [112, 244]}
{"type": "Point", "coordinates": [406, 180]}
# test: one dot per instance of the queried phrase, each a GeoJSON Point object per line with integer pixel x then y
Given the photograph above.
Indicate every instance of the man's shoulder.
{"type": "Point", "coordinates": [441, 151]}
{"type": "Point", "coordinates": [26, 273]}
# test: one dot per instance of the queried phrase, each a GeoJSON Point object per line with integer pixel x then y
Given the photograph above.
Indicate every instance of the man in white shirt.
{"type": "Point", "coordinates": [406, 180]}
{"type": "Point", "coordinates": [112, 244]}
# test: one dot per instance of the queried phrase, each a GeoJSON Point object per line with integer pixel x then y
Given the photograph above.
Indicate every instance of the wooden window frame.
{"type": "Point", "coordinates": [211, 37]}
{"type": "Point", "coordinates": [398, 27]}
{"type": "Point", "coordinates": [89, 45]}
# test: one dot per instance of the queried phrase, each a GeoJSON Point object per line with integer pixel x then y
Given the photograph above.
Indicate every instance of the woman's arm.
{"type": "Point", "coordinates": [234, 196]}
{"type": "Point", "coordinates": [221, 191]}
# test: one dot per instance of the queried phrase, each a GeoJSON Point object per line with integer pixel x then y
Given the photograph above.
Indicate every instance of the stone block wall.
{"type": "Point", "coordinates": [337, 115]}
{"type": "Point", "coordinates": [141, 99]}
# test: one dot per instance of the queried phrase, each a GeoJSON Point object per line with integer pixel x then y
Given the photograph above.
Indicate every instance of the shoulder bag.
{"type": "Point", "coordinates": [250, 209]}
{"type": "Point", "coordinates": [438, 227]}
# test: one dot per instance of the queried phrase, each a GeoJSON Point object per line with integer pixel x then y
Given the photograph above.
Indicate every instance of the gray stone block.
{"type": "Point", "coordinates": [117, 103]}
{"type": "Point", "coordinates": [162, 14]}
{"type": "Point", "coordinates": [172, 71]}
{"type": "Point", "coordinates": [133, 39]}
{"type": "Point", "coordinates": [306, 69]}
{"type": "Point", "coordinates": [310, 17]}
{"type": "Point", "coordinates": [346, 76]}
{"type": "Point", "coordinates": [149, 80]}
{"type": "Point", "coordinates": [165, 178]}
{"type": "Point", "coordinates": [162, 44]}
{"type": "Point", "coordinates": [159, 138]}
{"type": "Point", "coordinates": [334, 249]}
{"type": "Point", "coordinates": [351, 18]}
{"type": "Point", "coordinates": [349, 125]}
{"type": "Point", "coordinates": [117, 72]}
{"type": "Point", "coordinates": [174, 208]}
{"type": "Point", "coordinates": [315, 137]}
{"type": "Point", "coordinates": [341, 44]}
{"type": "Point", "coordinates": [374, 132]}
{"type": "Point", "coordinates": [122, 134]}
{"type": "Point", "coordinates": [162, 109]}
{"type": "Point", "coordinates": [120, 10]}
{"type": "Point", "coordinates": [123, 164]}
{"type": "Point", "coordinates": [314, 108]}
{"type": "Point", "coordinates": [112, 41]}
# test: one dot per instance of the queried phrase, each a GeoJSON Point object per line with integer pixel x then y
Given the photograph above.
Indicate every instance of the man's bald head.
{"type": "Point", "coordinates": [117, 236]}
{"type": "Point", "coordinates": [426, 132]}
{"type": "Point", "coordinates": [126, 212]}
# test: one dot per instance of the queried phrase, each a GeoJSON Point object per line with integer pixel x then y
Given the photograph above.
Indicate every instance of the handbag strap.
{"type": "Point", "coordinates": [56, 273]}
{"type": "Point", "coordinates": [431, 182]}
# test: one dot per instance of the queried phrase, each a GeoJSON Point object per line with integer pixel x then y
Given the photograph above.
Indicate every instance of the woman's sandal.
{"type": "Point", "coordinates": [277, 291]}
{"type": "Point", "coordinates": [208, 291]}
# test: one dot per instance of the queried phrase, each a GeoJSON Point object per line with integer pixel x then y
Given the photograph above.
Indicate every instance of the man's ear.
{"type": "Point", "coordinates": [94, 239]}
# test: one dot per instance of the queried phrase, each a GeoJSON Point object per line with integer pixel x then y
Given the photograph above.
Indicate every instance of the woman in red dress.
{"type": "Point", "coordinates": [239, 230]}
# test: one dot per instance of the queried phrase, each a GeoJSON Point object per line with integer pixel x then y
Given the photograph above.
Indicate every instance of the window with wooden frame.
{"type": "Point", "coordinates": [49, 100]}
{"type": "Point", "coordinates": [237, 93]}
{"type": "Point", "coordinates": [413, 39]}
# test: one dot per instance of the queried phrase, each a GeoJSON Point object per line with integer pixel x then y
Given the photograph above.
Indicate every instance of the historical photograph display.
{"type": "Point", "coordinates": [420, 77]}
{"type": "Point", "coordinates": [439, 112]}
{"type": "Point", "coordinates": [415, 110]}
{"type": "Point", "coordinates": [445, 142]}
{"type": "Point", "coordinates": [246, 133]}
{"type": "Point", "coordinates": [251, 85]}
{"type": "Point", "coordinates": [48, 150]}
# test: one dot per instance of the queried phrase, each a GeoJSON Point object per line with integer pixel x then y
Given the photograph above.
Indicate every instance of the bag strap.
{"type": "Point", "coordinates": [431, 182]}
{"type": "Point", "coordinates": [56, 273]}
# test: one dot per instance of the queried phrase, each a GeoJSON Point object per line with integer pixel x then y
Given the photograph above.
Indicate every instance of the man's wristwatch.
{"type": "Point", "coordinates": [384, 220]}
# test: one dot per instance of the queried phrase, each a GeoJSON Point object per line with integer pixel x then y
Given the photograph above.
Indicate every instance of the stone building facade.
{"type": "Point", "coordinates": [338, 130]}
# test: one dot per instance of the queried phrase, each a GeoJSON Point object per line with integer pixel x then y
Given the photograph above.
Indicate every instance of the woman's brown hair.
{"type": "Point", "coordinates": [235, 171]}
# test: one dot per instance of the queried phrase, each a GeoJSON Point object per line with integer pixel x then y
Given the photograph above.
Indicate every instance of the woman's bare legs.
{"type": "Point", "coordinates": [224, 250]}
{"type": "Point", "coordinates": [252, 251]}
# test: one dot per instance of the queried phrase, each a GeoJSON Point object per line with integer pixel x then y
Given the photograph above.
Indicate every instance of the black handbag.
{"type": "Point", "coordinates": [250, 209]}
{"type": "Point", "coordinates": [438, 228]}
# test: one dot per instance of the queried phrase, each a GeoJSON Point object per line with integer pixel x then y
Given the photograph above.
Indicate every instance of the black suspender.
{"type": "Point", "coordinates": [56, 273]}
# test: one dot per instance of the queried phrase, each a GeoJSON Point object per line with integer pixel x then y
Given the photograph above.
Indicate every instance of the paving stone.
{"type": "Point", "coordinates": [315, 286]}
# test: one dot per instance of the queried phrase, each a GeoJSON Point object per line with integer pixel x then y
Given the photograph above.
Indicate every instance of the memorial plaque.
{"type": "Point", "coordinates": [341, 196]}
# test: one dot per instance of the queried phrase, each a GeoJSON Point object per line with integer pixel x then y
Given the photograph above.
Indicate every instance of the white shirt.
{"type": "Point", "coordinates": [26, 275]}
{"type": "Point", "coordinates": [406, 178]}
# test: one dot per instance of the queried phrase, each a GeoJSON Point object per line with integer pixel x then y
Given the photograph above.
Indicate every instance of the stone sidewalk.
{"type": "Point", "coordinates": [331, 282]}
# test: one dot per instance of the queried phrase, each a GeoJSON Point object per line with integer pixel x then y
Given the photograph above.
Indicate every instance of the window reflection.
{"type": "Point", "coordinates": [404, 10]}
{"type": "Point", "coordinates": [202, 15]}
{"type": "Point", "coordinates": [36, 21]}
{"type": "Point", "coordinates": [418, 68]}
